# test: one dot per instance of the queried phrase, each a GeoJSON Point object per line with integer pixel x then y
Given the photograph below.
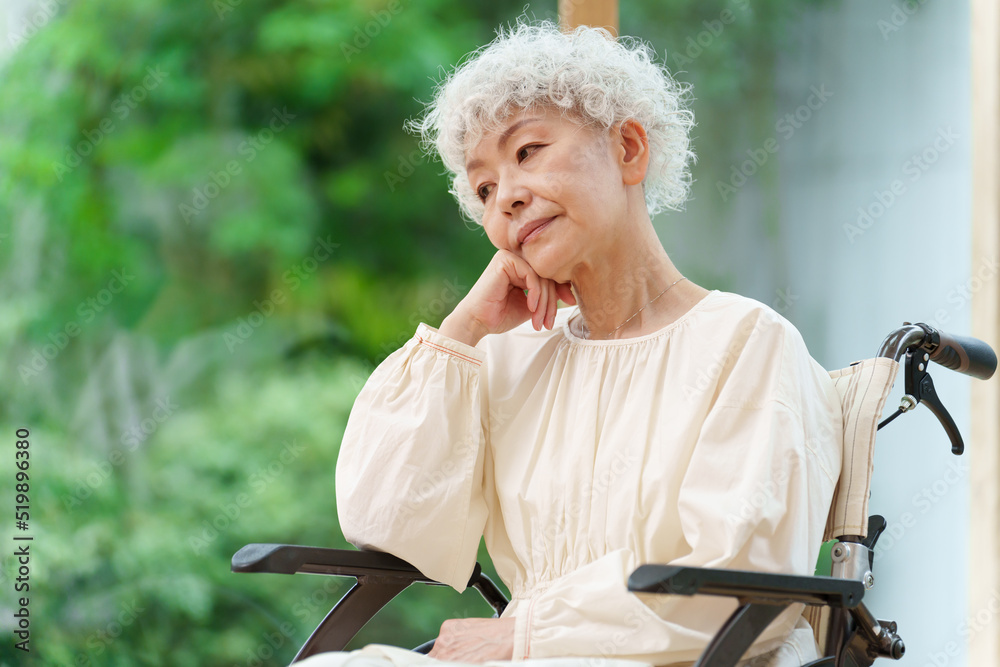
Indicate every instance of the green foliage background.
{"type": "Point", "coordinates": [237, 344]}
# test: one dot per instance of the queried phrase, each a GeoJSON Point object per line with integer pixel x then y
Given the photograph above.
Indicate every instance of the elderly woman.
{"type": "Point", "coordinates": [652, 421]}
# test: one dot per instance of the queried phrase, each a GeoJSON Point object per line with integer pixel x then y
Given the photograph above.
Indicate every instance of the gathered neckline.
{"type": "Point", "coordinates": [621, 342]}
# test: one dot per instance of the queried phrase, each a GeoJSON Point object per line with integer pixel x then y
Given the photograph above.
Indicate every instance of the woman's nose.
{"type": "Point", "coordinates": [512, 193]}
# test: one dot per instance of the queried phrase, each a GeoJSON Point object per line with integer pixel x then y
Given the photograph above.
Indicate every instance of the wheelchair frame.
{"type": "Point", "coordinates": [854, 637]}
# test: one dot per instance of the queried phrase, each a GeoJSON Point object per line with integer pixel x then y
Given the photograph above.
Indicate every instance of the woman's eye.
{"type": "Point", "coordinates": [483, 192]}
{"type": "Point", "coordinates": [525, 151]}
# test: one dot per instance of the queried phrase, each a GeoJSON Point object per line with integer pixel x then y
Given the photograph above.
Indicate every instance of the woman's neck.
{"type": "Point", "coordinates": [629, 289]}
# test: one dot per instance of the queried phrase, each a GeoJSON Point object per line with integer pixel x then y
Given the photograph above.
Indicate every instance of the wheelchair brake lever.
{"type": "Point", "coordinates": [920, 385]}
{"type": "Point", "coordinates": [876, 524]}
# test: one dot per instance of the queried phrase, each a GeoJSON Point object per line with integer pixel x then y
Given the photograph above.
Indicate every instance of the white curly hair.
{"type": "Point", "coordinates": [589, 75]}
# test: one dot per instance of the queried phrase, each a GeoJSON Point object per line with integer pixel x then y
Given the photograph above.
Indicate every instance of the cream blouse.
{"type": "Point", "coordinates": [712, 442]}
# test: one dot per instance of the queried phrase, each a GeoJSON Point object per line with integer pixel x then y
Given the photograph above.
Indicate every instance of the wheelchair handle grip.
{"type": "Point", "coordinates": [964, 354]}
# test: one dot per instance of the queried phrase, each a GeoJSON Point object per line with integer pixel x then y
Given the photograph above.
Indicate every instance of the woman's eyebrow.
{"type": "Point", "coordinates": [504, 138]}
{"type": "Point", "coordinates": [509, 132]}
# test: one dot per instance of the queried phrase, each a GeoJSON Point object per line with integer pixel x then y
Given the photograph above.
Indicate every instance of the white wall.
{"type": "Point", "coordinates": [894, 94]}
{"type": "Point", "coordinates": [781, 238]}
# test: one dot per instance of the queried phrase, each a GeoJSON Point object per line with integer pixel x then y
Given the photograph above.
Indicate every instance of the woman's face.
{"type": "Point", "coordinates": [552, 189]}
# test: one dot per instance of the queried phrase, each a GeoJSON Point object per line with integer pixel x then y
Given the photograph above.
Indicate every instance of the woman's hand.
{"type": "Point", "coordinates": [475, 640]}
{"type": "Point", "coordinates": [498, 303]}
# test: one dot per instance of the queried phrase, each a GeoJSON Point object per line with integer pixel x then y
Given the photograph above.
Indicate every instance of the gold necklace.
{"type": "Point", "coordinates": [667, 289]}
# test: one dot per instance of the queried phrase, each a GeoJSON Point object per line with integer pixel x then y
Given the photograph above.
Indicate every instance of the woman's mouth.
{"type": "Point", "coordinates": [537, 230]}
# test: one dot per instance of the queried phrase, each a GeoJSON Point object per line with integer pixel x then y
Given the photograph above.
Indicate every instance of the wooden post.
{"type": "Point", "coordinates": [597, 13]}
{"type": "Point", "coordinates": [984, 546]}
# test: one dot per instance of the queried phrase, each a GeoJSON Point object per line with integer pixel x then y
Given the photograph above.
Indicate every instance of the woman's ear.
{"type": "Point", "coordinates": [633, 151]}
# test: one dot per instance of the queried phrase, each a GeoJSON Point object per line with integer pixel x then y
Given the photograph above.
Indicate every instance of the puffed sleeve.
{"type": "Point", "coordinates": [754, 497]}
{"type": "Point", "coordinates": [410, 472]}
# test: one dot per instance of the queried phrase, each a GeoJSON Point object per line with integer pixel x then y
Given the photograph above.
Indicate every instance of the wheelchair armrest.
{"type": "Point", "coordinates": [752, 586]}
{"type": "Point", "coordinates": [380, 577]}
{"type": "Point", "coordinates": [763, 596]}
{"type": "Point", "coordinates": [292, 559]}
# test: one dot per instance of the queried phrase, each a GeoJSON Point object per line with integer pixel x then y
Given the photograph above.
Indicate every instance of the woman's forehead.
{"type": "Point", "coordinates": [495, 135]}
{"type": "Point", "coordinates": [505, 124]}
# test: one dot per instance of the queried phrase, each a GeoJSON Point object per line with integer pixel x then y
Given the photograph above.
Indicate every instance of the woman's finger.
{"type": "Point", "coordinates": [534, 289]}
{"type": "Point", "coordinates": [553, 304]}
{"type": "Point", "coordinates": [541, 294]}
{"type": "Point", "coordinates": [532, 282]}
{"type": "Point", "coordinates": [547, 291]}
{"type": "Point", "coordinates": [565, 292]}
{"type": "Point", "coordinates": [538, 316]}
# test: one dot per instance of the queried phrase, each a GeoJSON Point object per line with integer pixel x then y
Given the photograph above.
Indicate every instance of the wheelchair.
{"type": "Point", "coordinates": [847, 632]}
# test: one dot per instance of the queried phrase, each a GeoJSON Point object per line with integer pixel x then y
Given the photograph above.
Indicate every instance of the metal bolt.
{"type": "Point", "coordinates": [920, 367]}
{"type": "Point", "coordinates": [869, 579]}
{"type": "Point", "coordinates": [907, 402]}
{"type": "Point", "coordinates": [927, 357]}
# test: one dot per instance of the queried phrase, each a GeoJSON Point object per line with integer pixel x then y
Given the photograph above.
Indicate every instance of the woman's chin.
{"type": "Point", "coordinates": [546, 270]}
{"type": "Point", "coordinates": [546, 261]}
